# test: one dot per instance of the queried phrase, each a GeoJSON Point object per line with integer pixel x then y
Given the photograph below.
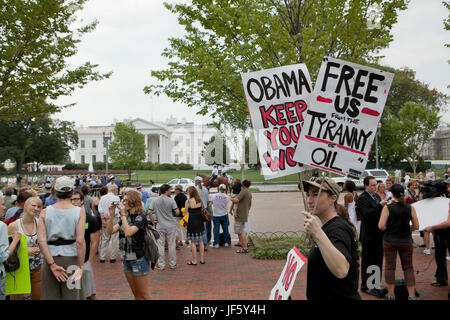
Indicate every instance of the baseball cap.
{"type": "Point", "coordinates": [328, 185]}
{"type": "Point", "coordinates": [64, 184]}
{"type": "Point", "coordinates": [222, 186]}
{"type": "Point", "coordinates": [198, 178]}
{"type": "Point", "coordinates": [138, 185]}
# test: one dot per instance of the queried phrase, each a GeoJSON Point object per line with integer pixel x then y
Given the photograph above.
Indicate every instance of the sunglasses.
{"type": "Point", "coordinates": [75, 199]}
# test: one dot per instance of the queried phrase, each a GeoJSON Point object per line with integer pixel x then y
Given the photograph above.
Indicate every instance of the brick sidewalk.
{"type": "Point", "coordinates": [231, 276]}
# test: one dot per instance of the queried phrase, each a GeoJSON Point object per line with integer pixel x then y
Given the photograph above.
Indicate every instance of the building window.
{"type": "Point", "coordinates": [94, 144]}
{"type": "Point", "coordinates": [200, 142]}
{"type": "Point", "coordinates": [177, 158]}
{"type": "Point", "coordinates": [81, 143]}
{"type": "Point", "coordinates": [82, 158]}
{"type": "Point", "coordinates": [188, 142]}
{"type": "Point", "coordinates": [94, 159]}
{"type": "Point", "coordinates": [188, 158]}
{"type": "Point", "coordinates": [175, 143]}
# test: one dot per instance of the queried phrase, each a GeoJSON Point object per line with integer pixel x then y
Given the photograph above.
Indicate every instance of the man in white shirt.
{"type": "Point", "coordinates": [214, 174]}
{"type": "Point", "coordinates": [220, 217]}
{"type": "Point", "coordinates": [103, 208]}
{"type": "Point", "coordinates": [430, 175]}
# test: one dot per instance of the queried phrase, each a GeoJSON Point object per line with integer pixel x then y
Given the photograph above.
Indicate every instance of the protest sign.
{"type": "Point", "coordinates": [431, 211]}
{"type": "Point", "coordinates": [283, 288]}
{"type": "Point", "coordinates": [18, 282]}
{"type": "Point", "coordinates": [342, 118]}
{"type": "Point", "coordinates": [277, 101]}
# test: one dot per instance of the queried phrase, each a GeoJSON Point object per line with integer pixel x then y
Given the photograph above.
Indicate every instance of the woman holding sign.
{"type": "Point", "coordinates": [333, 262]}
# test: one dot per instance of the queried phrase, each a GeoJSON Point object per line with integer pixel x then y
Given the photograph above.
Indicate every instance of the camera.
{"type": "Point", "coordinates": [115, 203]}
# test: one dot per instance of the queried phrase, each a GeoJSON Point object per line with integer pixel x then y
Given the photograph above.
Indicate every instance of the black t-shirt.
{"type": "Point", "coordinates": [397, 224]}
{"type": "Point", "coordinates": [91, 226]}
{"type": "Point", "coordinates": [180, 199]}
{"type": "Point", "coordinates": [133, 247]}
{"type": "Point", "coordinates": [321, 284]}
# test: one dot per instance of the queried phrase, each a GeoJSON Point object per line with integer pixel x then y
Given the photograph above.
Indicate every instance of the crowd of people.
{"type": "Point", "coordinates": [382, 219]}
{"type": "Point", "coordinates": [68, 224]}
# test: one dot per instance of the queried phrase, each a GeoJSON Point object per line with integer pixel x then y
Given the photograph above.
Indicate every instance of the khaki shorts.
{"type": "Point", "coordinates": [239, 227]}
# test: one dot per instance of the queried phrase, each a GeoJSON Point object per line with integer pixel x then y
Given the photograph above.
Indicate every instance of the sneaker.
{"type": "Point", "coordinates": [427, 251]}
{"type": "Point", "coordinates": [227, 245]}
{"type": "Point", "coordinates": [211, 245]}
{"type": "Point", "coordinates": [389, 296]}
{"type": "Point", "coordinates": [413, 298]}
{"type": "Point", "coordinates": [215, 246]}
{"type": "Point", "coordinates": [174, 267]}
{"type": "Point", "coordinates": [102, 261]}
{"type": "Point", "coordinates": [159, 268]}
{"type": "Point", "coordinates": [448, 258]}
{"type": "Point", "coordinates": [112, 260]}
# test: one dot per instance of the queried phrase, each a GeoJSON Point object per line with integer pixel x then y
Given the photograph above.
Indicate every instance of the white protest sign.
{"type": "Point", "coordinates": [342, 119]}
{"type": "Point", "coordinates": [277, 101]}
{"type": "Point", "coordinates": [283, 287]}
{"type": "Point", "coordinates": [431, 211]}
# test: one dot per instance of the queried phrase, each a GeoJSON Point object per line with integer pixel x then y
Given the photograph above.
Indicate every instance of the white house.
{"type": "Point", "coordinates": [166, 142]}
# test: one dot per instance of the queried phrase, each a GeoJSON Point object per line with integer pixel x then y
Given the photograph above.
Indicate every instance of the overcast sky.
{"type": "Point", "coordinates": [131, 35]}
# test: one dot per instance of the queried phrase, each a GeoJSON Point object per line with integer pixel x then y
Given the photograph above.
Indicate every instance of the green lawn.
{"type": "Point", "coordinates": [158, 177]}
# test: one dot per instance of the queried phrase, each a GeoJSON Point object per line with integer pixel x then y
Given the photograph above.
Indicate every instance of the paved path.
{"type": "Point", "coordinates": [228, 275]}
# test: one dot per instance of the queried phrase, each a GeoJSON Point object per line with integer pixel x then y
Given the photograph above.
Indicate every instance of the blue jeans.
{"type": "Point", "coordinates": [224, 222]}
{"type": "Point", "coordinates": [2, 286]}
{"type": "Point", "coordinates": [137, 267]}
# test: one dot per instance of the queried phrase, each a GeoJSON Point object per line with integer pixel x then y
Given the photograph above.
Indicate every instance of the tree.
{"type": "Point", "coordinates": [412, 128]}
{"type": "Point", "coordinates": [227, 37]}
{"type": "Point", "coordinates": [127, 150]}
{"type": "Point", "coordinates": [40, 140]}
{"type": "Point", "coordinates": [36, 40]}
{"type": "Point", "coordinates": [405, 87]}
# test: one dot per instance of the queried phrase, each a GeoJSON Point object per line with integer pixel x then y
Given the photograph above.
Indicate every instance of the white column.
{"type": "Point", "coordinates": [147, 156]}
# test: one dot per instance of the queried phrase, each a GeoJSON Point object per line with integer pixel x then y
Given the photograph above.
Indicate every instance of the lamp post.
{"type": "Point", "coordinates": [106, 140]}
{"type": "Point", "coordinates": [376, 145]}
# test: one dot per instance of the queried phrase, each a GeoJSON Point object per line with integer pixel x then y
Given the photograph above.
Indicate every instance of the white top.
{"type": "Point", "coordinates": [352, 212]}
{"type": "Point", "coordinates": [215, 171]}
{"type": "Point", "coordinates": [204, 195]}
{"type": "Point", "coordinates": [220, 202]}
{"type": "Point", "coordinates": [62, 223]}
{"type": "Point", "coordinates": [105, 202]}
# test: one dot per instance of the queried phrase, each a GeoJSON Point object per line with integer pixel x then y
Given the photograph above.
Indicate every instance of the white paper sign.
{"type": "Point", "coordinates": [431, 212]}
{"type": "Point", "coordinates": [341, 122]}
{"type": "Point", "coordinates": [277, 101]}
{"type": "Point", "coordinates": [283, 287]}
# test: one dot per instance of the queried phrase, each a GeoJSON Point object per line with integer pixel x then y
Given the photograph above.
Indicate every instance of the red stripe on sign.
{"type": "Point", "coordinates": [370, 112]}
{"type": "Point", "coordinates": [338, 145]}
{"type": "Point", "coordinates": [299, 254]}
{"type": "Point", "coordinates": [328, 169]}
{"type": "Point", "coordinates": [322, 99]}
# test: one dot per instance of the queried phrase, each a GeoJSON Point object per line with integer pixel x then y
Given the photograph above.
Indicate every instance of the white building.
{"type": "Point", "coordinates": [166, 142]}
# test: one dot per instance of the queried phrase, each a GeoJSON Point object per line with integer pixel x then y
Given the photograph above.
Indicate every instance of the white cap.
{"type": "Point", "coordinates": [64, 184]}
{"type": "Point", "coordinates": [198, 178]}
{"type": "Point", "coordinates": [222, 186]}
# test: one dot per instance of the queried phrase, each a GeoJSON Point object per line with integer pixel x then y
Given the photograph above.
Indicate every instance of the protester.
{"type": "Point", "coordinates": [350, 202]}
{"type": "Point", "coordinates": [6, 249]}
{"type": "Point", "coordinates": [51, 199]}
{"type": "Point", "coordinates": [244, 199]}
{"type": "Point", "coordinates": [145, 194]}
{"type": "Point", "coordinates": [220, 217]}
{"type": "Point", "coordinates": [111, 240]}
{"type": "Point", "coordinates": [389, 196]}
{"type": "Point", "coordinates": [395, 222]}
{"type": "Point", "coordinates": [91, 238]}
{"type": "Point", "coordinates": [381, 190]}
{"type": "Point", "coordinates": [369, 207]}
{"type": "Point", "coordinates": [16, 212]}
{"type": "Point", "coordinates": [204, 195]}
{"type": "Point", "coordinates": [411, 195]}
{"type": "Point", "coordinates": [441, 237]}
{"type": "Point", "coordinates": [28, 226]}
{"type": "Point", "coordinates": [167, 226]}
{"type": "Point", "coordinates": [7, 197]}
{"type": "Point", "coordinates": [430, 176]}
{"type": "Point", "coordinates": [61, 241]}
{"type": "Point", "coordinates": [195, 227]}
{"type": "Point", "coordinates": [180, 198]}
{"type": "Point", "coordinates": [333, 262]}
{"type": "Point", "coordinates": [87, 202]}
{"type": "Point", "coordinates": [131, 228]}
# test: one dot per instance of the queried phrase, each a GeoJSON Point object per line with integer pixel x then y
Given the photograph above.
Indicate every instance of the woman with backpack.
{"type": "Point", "coordinates": [131, 228]}
{"type": "Point", "coordinates": [27, 225]}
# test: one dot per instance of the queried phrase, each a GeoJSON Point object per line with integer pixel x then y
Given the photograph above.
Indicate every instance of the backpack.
{"type": "Point", "coordinates": [151, 252]}
{"type": "Point", "coordinates": [13, 262]}
{"type": "Point", "coordinates": [13, 218]}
